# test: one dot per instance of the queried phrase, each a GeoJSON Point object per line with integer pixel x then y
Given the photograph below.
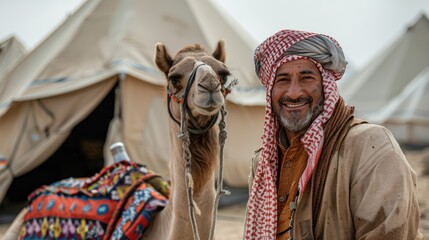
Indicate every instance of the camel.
{"type": "Point", "coordinates": [205, 100]}
{"type": "Point", "coordinates": [194, 108]}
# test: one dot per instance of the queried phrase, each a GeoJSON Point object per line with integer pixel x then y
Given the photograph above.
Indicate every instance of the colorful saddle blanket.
{"type": "Point", "coordinates": [117, 203]}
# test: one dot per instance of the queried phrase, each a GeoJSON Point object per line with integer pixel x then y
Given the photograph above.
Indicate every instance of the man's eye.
{"type": "Point", "coordinates": [308, 77]}
{"type": "Point", "coordinates": [282, 80]}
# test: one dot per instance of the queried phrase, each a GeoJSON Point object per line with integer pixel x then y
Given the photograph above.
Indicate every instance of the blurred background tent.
{"type": "Point", "coordinates": [93, 82]}
{"type": "Point", "coordinates": [393, 89]}
{"type": "Point", "coordinates": [11, 50]}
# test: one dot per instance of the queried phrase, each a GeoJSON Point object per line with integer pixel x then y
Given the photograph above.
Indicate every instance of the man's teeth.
{"type": "Point", "coordinates": [295, 105]}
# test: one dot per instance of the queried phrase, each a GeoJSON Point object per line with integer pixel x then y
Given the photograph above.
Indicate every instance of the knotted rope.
{"type": "Point", "coordinates": [189, 183]}
{"type": "Point", "coordinates": [219, 191]}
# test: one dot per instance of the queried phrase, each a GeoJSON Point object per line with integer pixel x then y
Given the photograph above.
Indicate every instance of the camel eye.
{"type": "Point", "coordinates": [175, 80]}
{"type": "Point", "coordinates": [223, 76]}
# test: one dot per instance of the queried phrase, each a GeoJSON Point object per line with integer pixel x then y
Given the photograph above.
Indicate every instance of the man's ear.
{"type": "Point", "coordinates": [162, 59]}
{"type": "Point", "coordinates": [219, 53]}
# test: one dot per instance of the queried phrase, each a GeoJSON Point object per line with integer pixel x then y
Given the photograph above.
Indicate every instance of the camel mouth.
{"type": "Point", "coordinates": [207, 110]}
{"type": "Point", "coordinates": [208, 103]}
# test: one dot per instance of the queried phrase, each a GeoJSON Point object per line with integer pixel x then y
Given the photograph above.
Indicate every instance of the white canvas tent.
{"type": "Point", "coordinates": [407, 115]}
{"type": "Point", "coordinates": [11, 50]}
{"type": "Point", "coordinates": [62, 95]}
{"type": "Point", "coordinates": [381, 91]}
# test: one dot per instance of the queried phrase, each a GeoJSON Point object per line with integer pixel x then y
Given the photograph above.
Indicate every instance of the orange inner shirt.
{"type": "Point", "coordinates": [292, 162]}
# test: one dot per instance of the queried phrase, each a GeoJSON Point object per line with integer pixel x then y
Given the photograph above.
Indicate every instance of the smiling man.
{"type": "Point", "coordinates": [297, 94]}
{"type": "Point", "coordinates": [321, 173]}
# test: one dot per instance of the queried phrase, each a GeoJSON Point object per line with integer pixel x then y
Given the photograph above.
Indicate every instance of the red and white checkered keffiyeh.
{"type": "Point", "coordinates": [261, 220]}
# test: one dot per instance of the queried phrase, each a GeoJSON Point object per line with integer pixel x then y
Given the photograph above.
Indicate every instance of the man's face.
{"type": "Point", "coordinates": [297, 94]}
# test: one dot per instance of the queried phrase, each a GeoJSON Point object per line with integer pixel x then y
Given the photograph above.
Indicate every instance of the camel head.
{"type": "Point", "coordinates": [196, 77]}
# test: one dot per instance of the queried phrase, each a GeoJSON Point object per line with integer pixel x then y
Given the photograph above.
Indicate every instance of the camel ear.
{"type": "Point", "coordinates": [162, 59]}
{"type": "Point", "coordinates": [219, 53]}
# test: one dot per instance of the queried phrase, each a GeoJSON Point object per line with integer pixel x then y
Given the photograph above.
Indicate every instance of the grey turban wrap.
{"type": "Point", "coordinates": [321, 49]}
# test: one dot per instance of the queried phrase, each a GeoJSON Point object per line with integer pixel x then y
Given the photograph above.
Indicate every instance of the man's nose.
{"type": "Point", "coordinates": [295, 89]}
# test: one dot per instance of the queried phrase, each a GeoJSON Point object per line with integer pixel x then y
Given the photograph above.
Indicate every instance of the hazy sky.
{"type": "Point", "coordinates": [363, 27]}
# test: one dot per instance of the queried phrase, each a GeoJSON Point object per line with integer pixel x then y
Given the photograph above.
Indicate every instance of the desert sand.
{"type": "Point", "coordinates": [230, 220]}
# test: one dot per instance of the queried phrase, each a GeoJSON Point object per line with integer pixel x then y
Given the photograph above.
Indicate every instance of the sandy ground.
{"type": "Point", "coordinates": [230, 220]}
{"type": "Point", "coordinates": [419, 161]}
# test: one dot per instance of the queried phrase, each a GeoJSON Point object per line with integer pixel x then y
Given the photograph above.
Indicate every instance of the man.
{"type": "Point", "coordinates": [321, 173]}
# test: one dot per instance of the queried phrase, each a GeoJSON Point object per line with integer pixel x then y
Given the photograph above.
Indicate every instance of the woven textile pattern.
{"type": "Point", "coordinates": [117, 203]}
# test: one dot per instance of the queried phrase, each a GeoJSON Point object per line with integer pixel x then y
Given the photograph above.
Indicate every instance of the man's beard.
{"type": "Point", "coordinates": [295, 122]}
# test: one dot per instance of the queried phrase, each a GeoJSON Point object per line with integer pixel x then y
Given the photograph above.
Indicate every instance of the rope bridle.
{"type": "Point", "coordinates": [184, 136]}
{"type": "Point", "coordinates": [183, 101]}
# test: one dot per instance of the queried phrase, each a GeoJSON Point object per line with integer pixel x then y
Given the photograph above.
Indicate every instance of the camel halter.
{"type": "Point", "coordinates": [184, 136]}
{"type": "Point", "coordinates": [183, 101]}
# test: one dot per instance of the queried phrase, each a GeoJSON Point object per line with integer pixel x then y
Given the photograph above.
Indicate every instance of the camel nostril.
{"type": "Point", "coordinates": [202, 87]}
{"type": "Point", "coordinates": [211, 88]}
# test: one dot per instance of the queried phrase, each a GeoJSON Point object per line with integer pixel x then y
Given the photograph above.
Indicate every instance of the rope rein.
{"type": "Point", "coordinates": [219, 190]}
{"type": "Point", "coordinates": [189, 183]}
{"type": "Point", "coordinates": [184, 136]}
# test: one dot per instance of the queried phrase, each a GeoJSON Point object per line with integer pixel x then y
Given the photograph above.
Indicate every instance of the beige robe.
{"type": "Point", "coordinates": [370, 191]}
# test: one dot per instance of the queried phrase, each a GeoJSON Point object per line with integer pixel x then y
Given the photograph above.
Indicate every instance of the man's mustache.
{"type": "Point", "coordinates": [296, 100]}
